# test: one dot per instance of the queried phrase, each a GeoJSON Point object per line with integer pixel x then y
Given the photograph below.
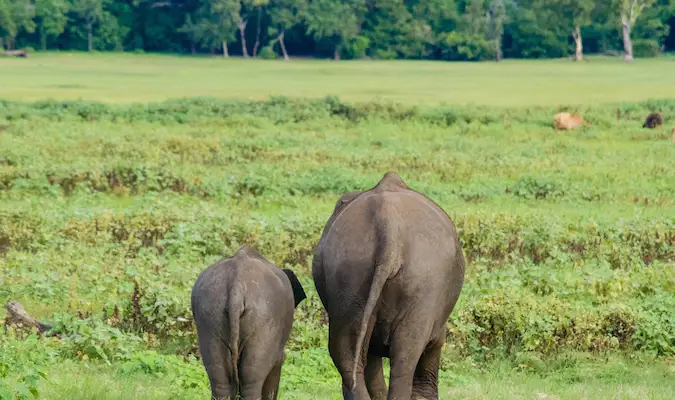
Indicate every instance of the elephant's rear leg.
{"type": "Point", "coordinates": [271, 385]}
{"type": "Point", "coordinates": [342, 345]}
{"type": "Point", "coordinates": [425, 382]}
{"type": "Point", "coordinates": [407, 346]}
{"type": "Point", "coordinates": [259, 369]}
{"type": "Point", "coordinates": [374, 375]}
{"type": "Point", "coordinates": [218, 363]}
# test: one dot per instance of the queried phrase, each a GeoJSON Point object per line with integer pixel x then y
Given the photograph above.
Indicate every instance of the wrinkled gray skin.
{"type": "Point", "coordinates": [389, 269]}
{"type": "Point", "coordinates": [243, 308]}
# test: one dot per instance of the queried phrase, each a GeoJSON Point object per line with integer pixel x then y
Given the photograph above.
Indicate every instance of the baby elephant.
{"type": "Point", "coordinates": [243, 308]}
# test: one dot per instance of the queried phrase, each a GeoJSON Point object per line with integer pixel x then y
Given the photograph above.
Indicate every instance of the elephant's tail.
{"type": "Point", "coordinates": [387, 263]}
{"type": "Point", "coordinates": [235, 310]}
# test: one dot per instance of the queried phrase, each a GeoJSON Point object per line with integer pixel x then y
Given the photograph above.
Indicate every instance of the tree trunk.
{"type": "Point", "coordinates": [627, 44]}
{"type": "Point", "coordinates": [257, 35]}
{"type": "Point", "coordinates": [226, 53]}
{"type": "Point", "coordinates": [43, 40]}
{"type": "Point", "coordinates": [90, 38]}
{"type": "Point", "coordinates": [282, 45]}
{"type": "Point", "coordinates": [336, 53]}
{"type": "Point", "coordinates": [193, 48]}
{"type": "Point", "coordinates": [498, 47]}
{"type": "Point", "coordinates": [576, 34]}
{"type": "Point", "coordinates": [242, 34]}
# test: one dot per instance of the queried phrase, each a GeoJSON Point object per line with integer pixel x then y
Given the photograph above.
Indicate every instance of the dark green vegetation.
{"type": "Point", "coordinates": [108, 213]}
{"type": "Point", "coordinates": [385, 29]}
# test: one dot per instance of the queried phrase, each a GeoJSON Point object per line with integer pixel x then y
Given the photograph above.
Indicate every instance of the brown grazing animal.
{"type": "Point", "coordinates": [566, 121]}
{"type": "Point", "coordinates": [653, 120]}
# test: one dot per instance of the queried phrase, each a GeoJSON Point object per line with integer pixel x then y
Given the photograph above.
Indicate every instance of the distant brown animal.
{"type": "Point", "coordinates": [566, 121]}
{"type": "Point", "coordinates": [653, 120]}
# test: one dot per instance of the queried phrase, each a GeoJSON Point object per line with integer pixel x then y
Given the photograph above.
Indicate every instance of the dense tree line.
{"type": "Point", "coordinates": [385, 29]}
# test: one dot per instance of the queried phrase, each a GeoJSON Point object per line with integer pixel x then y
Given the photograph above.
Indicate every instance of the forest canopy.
{"type": "Point", "coordinates": [468, 30]}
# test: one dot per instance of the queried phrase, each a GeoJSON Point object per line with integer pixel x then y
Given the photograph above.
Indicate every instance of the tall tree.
{"type": "Point", "coordinates": [16, 16]}
{"type": "Point", "coordinates": [629, 11]}
{"type": "Point", "coordinates": [392, 31]}
{"type": "Point", "coordinates": [436, 18]}
{"type": "Point", "coordinates": [259, 5]}
{"type": "Point", "coordinates": [7, 26]}
{"type": "Point", "coordinates": [284, 15]}
{"type": "Point", "coordinates": [335, 20]}
{"type": "Point", "coordinates": [581, 11]}
{"type": "Point", "coordinates": [496, 18]}
{"type": "Point", "coordinates": [52, 19]}
{"type": "Point", "coordinates": [91, 12]}
{"type": "Point", "coordinates": [567, 16]}
{"type": "Point", "coordinates": [191, 29]}
{"type": "Point", "coordinates": [246, 8]}
{"type": "Point", "coordinates": [215, 23]}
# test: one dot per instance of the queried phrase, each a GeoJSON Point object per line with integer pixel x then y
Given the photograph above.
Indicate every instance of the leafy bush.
{"type": "Point", "coordinates": [268, 53]}
{"type": "Point", "coordinates": [535, 188]}
{"type": "Point", "coordinates": [357, 47]}
{"type": "Point", "coordinates": [645, 48]}
{"type": "Point", "coordinates": [466, 47]}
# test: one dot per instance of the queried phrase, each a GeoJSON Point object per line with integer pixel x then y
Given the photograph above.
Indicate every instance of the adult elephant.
{"type": "Point", "coordinates": [388, 269]}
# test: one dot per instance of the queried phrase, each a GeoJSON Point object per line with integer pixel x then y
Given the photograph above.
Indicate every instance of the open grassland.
{"type": "Point", "coordinates": [109, 212]}
{"type": "Point", "coordinates": [129, 77]}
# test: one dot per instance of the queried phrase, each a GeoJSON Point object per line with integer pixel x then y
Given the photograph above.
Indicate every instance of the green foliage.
{"type": "Point", "coordinates": [646, 48]}
{"type": "Point", "coordinates": [466, 47]}
{"type": "Point", "coordinates": [105, 228]}
{"type": "Point", "coordinates": [267, 53]}
{"type": "Point", "coordinates": [21, 367]}
{"type": "Point", "coordinates": [52, 19]}
{"type": "Point", "coordinates": [393, 28]}
{"type": "Point", "coordinates": [337, 21]}
{"type": "Point", "coordinates": [109, 212]}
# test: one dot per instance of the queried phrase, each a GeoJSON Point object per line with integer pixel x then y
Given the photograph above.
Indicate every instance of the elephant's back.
{"type": "Point", "coordinates": [426, 240]}
{"type": "Point", "coordinates": [254, 282]}
{"type": "Point", "coordinates": [422, 225]}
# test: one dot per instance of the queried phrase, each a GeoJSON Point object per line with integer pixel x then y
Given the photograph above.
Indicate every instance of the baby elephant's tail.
{"type": "Point", "coordinates": [235, 309]}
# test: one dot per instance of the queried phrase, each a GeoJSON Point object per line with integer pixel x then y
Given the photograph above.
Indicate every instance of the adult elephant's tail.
{"type": "Point", "coordinates": [387, 263]}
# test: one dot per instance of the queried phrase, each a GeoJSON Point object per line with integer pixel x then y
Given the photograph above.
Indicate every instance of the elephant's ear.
{"type": "Point", "coordinates": [298, 292]}
{"type": "Point", "coordinates": [346, 198]}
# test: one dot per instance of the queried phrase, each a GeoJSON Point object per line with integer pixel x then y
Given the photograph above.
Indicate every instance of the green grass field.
{"type": "Point", "coordinates": [130, 78]}
{"type": "Point", "coordinates": [109, 211]}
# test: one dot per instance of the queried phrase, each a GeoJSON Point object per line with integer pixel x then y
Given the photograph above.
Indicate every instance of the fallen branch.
{"type": "Point", "coordinates": [17, 315]}
{"type": "Point", "coordinates": [15, 53]}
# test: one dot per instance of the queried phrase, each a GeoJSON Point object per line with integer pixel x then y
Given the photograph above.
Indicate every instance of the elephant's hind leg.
{"type": "Point", "coordinates": [341, 345]}
{"type": "Point", "coordinates": [425, 382]}
{"type": "Point", "coordinates": [408, 343]}
{"type": "Point", "coordinates": [271, 386]}
{"type": "Point", "coordinates": [374, 375]}
{"type": "Point", "coordinates": [218, 362]}
{"type": "Point", "coordinates": [256, 364]}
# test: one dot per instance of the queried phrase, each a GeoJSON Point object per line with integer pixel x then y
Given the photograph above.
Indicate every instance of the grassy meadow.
{"type": "Point", "coordinates": [124, 78]}
{"type": "Point", "coordinates": [111, 206]}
